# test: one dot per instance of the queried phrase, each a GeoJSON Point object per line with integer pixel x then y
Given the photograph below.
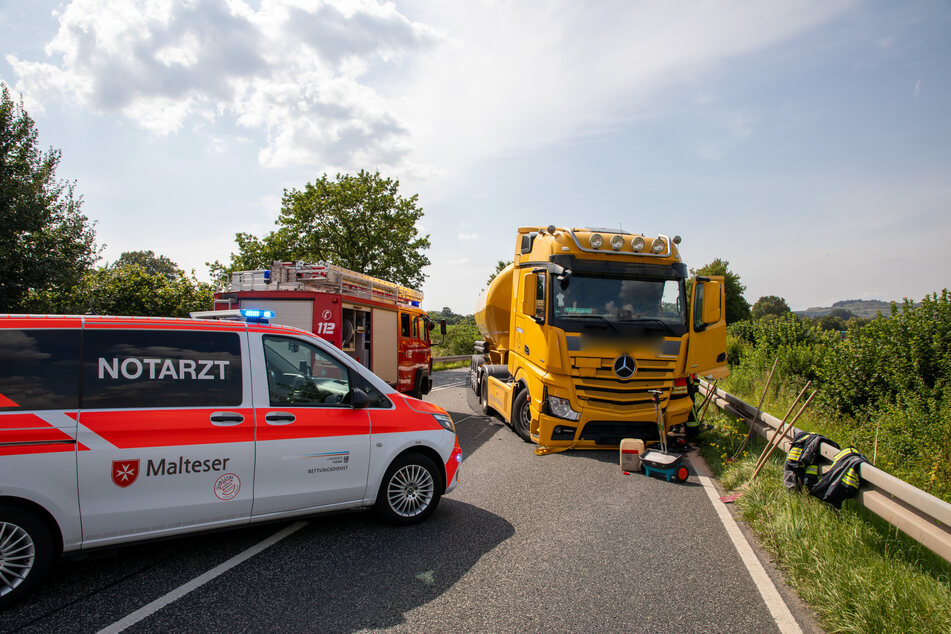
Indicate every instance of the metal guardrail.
{"type": "Point", "coordinates": [920, 515]}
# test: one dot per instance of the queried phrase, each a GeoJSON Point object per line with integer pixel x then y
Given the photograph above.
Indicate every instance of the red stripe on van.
{"type": "Point", "coordinates": [33, 435]}
{"type": "Point", "coordinates": [130, 429]}
{"type": "Point", "coordinates": [21, 450]}
{"type": "Point", "coordinates": [5, 402]}
{"type": "Point", "coordinates": [22, 421]}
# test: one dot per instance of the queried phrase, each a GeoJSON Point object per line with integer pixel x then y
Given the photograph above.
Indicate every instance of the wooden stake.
{"type": "Point", "coordinates": [707, 400]}
{"type": "Point", "coordinates": [759, 408]}
{"type": "Point", "coordinates": [782, 422]}
{"type": "Point", "coordinates": [792, 423]}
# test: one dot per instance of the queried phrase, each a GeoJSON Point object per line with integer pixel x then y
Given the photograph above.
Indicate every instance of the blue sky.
{"type": "Point", "coordinates": [807, 143]}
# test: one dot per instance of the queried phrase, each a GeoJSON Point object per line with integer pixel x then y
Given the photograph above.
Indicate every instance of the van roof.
{"type": "Point", "coordinates": [109, 321]}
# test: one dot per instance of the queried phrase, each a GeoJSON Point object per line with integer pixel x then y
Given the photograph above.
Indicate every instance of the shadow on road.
{"type": "Point", "coordinates": [350, 572]}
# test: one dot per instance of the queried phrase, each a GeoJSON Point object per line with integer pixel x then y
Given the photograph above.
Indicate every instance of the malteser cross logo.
{"type": "Point", "coordinates": [124, 472]}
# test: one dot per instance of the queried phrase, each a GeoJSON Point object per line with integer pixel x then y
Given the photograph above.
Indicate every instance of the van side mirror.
{"type": "Point", "coordinates": [442, 326]}
{"type": "Point", "coordinates": [358, 398]}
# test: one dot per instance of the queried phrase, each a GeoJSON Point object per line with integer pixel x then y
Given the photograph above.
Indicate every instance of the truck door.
{"type": "Point", "coordinates": [167, 420]}
{"type": "Point", "coordinates": [312, 448]}
{"type": "Point", "coordinates": [530, 316]}
{"type": "Point", "coordinates": [706, 348]}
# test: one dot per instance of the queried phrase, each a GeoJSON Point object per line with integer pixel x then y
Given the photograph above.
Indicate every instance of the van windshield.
{"type": "Point", "coordinates": [625, 304]}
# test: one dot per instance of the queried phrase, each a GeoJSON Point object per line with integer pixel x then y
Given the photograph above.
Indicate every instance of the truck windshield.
{"type": "Point", "coordinates": [648, 303]}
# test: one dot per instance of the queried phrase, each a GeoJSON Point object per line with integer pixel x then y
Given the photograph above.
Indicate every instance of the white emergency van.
{"type": "Point", "coordinates": [120, 429]}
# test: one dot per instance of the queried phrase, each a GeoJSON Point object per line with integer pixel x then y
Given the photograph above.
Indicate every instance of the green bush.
{"type": "Point", "coordinates": [884, 387]}
{"type": "Point", "coordinates": [459, 339]}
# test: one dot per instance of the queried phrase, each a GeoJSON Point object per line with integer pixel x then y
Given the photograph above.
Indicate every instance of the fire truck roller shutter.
{"type": "Point", "coordinates": [287, 312]}
{"type": "Point", "coordinates": [385, 348]}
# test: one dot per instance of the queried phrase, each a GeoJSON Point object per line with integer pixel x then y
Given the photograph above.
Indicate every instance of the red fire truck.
{"type": "Point", "coordinates": [378, 323]}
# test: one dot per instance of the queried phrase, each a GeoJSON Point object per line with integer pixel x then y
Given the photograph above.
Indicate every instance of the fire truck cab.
{"type": "Point", "coordinates": [378, 323]}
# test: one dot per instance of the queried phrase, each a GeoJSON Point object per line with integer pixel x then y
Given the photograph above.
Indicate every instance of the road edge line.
{"type": "Point", "coordinates": [777, 607]}
{"type": "Point", "coordinates": [176, 594]}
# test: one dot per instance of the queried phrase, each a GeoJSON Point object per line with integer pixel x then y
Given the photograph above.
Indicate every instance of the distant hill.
{"type": "Point", "coordinates": [866, 308]}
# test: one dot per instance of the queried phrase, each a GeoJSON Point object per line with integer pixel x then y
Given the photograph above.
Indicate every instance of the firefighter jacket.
{"type": "Point", "coordinates": [841, 481]}
{"type": "Point", "coordinates": [800, 469]}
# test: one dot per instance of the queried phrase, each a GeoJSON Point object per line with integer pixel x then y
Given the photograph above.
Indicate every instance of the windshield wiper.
{"type": "Point", "coordinates": [600, 317]}
{"type": "Point", "coordinates": [660, 325]}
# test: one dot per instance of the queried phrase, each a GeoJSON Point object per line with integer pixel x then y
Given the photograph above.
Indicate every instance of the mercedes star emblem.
{"type": "Point", "coordinates": [624, 366]}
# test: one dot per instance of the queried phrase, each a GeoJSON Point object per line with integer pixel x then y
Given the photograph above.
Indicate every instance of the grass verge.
{"type": "Point", "coordinates": [450, 365]}
{"type": "Point", "coordinates": [857, 572]}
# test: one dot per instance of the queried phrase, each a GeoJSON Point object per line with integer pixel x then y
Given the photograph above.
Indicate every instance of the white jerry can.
{"type": "Point", "coordinates": [631, 450]}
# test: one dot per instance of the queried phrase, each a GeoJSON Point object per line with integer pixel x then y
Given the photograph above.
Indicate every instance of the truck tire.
{"type": "Point", "coordinates": [27, 551]}
{"type": "Point", "coordinates": [474, 364]}
{"type": "Point", "coordinates": [410, 490]}
{"type": "Point", "coordinates": [522, 416]}
{"type": "Point", "coordinates": [484, 396]}
{"type": "Point", "coordinates": [417, 391]}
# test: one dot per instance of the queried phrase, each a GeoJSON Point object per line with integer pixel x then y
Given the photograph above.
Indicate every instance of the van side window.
{"type": "Point", "coordinates": [39, 369]}
{"type": "Point", "coordinates": [302, 374]}
{"type": "Point", "coordinates": [161, 368]}
{"type": "Point", "coordinates": [416, 328]}
{"type": "Point", "coordinates": [404, 324]}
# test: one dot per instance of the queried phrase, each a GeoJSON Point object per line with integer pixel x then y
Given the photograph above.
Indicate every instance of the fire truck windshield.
{"type": "Point", "coordinates": [621, 304]}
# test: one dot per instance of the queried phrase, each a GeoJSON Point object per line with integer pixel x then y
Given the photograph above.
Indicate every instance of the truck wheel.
{"type": "Point", "coordinates": [26, 553]}
{"type": "Point", "coordinates": [522, 416]}
{"type": "Point", "coordinates": [474, 364]}
{"type": "Point", "coordinates": [484, 396]}
{"type": "Point", "coordinates": [410, 491]}
{"type": "Point", "coordinates": [417, 391]}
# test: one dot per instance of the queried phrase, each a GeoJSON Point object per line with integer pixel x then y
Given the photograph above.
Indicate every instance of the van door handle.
{"type": "Point", "coordinates": [279, 418]}
{"type": "Point", "coordinates": [226, 419]}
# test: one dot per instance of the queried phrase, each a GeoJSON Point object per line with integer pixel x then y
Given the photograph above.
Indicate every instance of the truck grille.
{"type": "Point", "coordinates": [597, 385]}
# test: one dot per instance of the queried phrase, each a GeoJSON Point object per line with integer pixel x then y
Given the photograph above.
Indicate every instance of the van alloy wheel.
{"type": "Point", "coordinates": [17, 554]}
{"type": "Point", "coordinates": [410, 490]}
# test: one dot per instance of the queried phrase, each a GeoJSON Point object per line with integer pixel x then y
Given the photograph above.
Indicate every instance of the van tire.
{"type": "Point", "coordinates": [410, 490]}
{"type": "Point", "coordinates": [26, 548]}
{"type": "Point", "coordinates": [522, 416]}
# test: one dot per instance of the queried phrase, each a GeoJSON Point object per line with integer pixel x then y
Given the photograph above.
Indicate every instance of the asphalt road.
{"type": "Point", "coordinates": [563, 542]}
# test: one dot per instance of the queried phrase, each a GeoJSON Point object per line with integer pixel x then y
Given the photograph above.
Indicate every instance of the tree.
{"type": "Point", "coordinates": [832, 322]}
{"type": "Point", "coordinates": [499, 267]}
{"type": "Point", "coordinates": [737, 308]}
{"type": "Point", "coordinates": [150, 263]}
{"type": "Point", "coordinates": [842, 313]}
{"type": "Point", "coordinates": [128, 290]}
{"type": "Point", "coordinates": [45, 241]}
{"type": "Point", "coordinates": [358, 222]}
{"type": "Point", "coordinates": [770, 305]}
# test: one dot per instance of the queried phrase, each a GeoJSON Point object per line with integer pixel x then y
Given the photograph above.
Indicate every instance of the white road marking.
{"type": "Point", "coordinates": [176, 594]}
{"type": "Point", "coordinates": [446, 387]}
{"type": "Point", "coordinates": [774, 601]}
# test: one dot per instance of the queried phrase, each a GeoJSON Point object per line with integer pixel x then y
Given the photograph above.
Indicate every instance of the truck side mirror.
{"type": "Point", "coordinates": [442, 326]}
{"type": "Point", "coordinates": [711, 302]}
{"type": "Point", "coordinates": [528, 293]}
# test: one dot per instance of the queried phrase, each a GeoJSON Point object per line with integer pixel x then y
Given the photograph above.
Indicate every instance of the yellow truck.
{"type": "Point", "coordinates": [581, 326]}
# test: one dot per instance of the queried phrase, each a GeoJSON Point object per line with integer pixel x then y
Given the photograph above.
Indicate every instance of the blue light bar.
{"type": "Point", "coordinates": [257, 315]}
{"type": "Point", "coordinates": [414, 304]}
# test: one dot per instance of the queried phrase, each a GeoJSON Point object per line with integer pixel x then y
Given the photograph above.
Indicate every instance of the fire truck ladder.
{"type": "Point", "coordinates": [324, 277]}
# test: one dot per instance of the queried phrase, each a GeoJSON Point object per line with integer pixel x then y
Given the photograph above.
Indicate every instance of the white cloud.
{"type": "Point", "coordinates": [296, 69]}
{"type": "Point", "coordinates": [468, 236]}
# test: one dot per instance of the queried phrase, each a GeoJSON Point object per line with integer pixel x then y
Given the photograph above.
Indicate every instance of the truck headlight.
{"type": "Point", "coordinates": [561, 407]}
{"type": "Point", "coordinates": [596, 240]}
{"type": "Point", "coordinates": [445, 422]}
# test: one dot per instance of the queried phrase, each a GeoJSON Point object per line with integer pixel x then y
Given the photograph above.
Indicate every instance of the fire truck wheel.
{"type": "Point", "coordinates": [409, 492]}
{"type": "Point", "coordinates": [417, 391]}
{"type": "Point", "coordinates": [484, 396]}
{"type": "Point", "coordinates": [26, 553]}
{"type": "Point", "coordinates": [522, 416]}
